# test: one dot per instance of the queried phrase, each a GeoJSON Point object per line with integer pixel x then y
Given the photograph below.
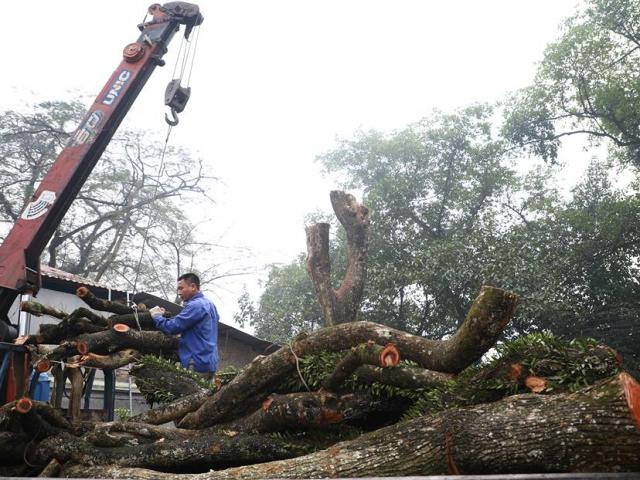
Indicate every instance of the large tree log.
{"type": "Point", "coordinates": [142, 319]}
{"type": "Point", "coordinates": [52, 415]}
{"type": "Point", "coordinates": [340, 305]}
{"type": "Point", "coordinates": [113, 361]}
{"type": "Point", "coordinates": [309, 410]}
{"type": "Point", "coordinates": [75, 397]}
{"type": "Point", "coordinates": [174, 410]}
{"type": "Point", "coordinates": [70, 327]}
{"type": "Point", "coordinates": [119, 434]}
{"type": "Point", "coordinates": [51, 470]}
{"type": "Point", "coordinates": [163, 384]}
{"type": "Point", "coordinates": [102, 305]}
{"type": "Point", "coordinates": [38, 309]}
{"type": "Point", "coordinates": [401, 376]}
{"type": "Point", "coordinates": [365, 354]}
{"type": "Point", "coordinates": [488, 316]}
{"type": "Point", "coordinates": [594, 430]}
{"type": "Point", "coordinates": [121, 337]}
{"type": "Point", "coordinates": [12, 446]}
{"type": "Point", "coordinates": [199, 452]}
{"type": "Point", "coordinates": [90, 315]}
{"type": "Point", "coordinates": [35, 426]}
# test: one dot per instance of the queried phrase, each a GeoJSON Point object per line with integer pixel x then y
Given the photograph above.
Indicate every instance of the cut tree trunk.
{"type": "Point", "coordinates": [199, 452]}
{"type": "Point", "coordinates": [113, 361]}
{"type": "Point", "coordinates": [143, 318]}
{"type": "Point", "coordinates": [90, 315]}
{"type": "Point", "coordinates": [119, 434]}
{"type": "Point", "coordinates": [51, 470]}
{"type": "Point", "coordinates": [119, 338]}
{"type": "Point", "coordinates": [101, 304]}
{"type": "Point", "coordinates": [70, 327]}
{"type": "Point", "coordinates": [75, 397]}
{"type": "Point", "coordinates": [340, 305]}
{"type": "Point", "coordinates": [401, 376]}
{"type": "Point", "coordinates": [174, 410]}
{"type": "Point", "coordinates": [365, 354]}
{"type": "Point", "coordinates": [171, 382]}
{"type": "Point", "coordinates": [12, 446]}
{"type": "Point", "coordinates": [310, 410]}
{"type": "Point", "coordinates": [594, 430]}
{"type": "Point", "coordinates": [39, 309]}
{"type": "Point", "coordinates": [489, 314]}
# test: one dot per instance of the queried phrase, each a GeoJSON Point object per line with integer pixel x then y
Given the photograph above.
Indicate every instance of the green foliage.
{"type": "Point", "coordinates": [575, 266]}
{"type": "Point", "coordinates": [588, 82]}
{"type": "Point", "coordinates": [309, 441]}
{"type": "Point", "coordinates": [122, 413]}
{"type": "Point", "coordinates": [156, 391]}
{"type": "Point", "coordinates": [127, 195]}
{"type": "Point", "coordinates": [566, 366]}
{"type": "Point", "coordinates": [449, 212]}
{"type": "Point", "coordinates": [287, 306]}
{"type": "Point", "coordinates": [431, 189]}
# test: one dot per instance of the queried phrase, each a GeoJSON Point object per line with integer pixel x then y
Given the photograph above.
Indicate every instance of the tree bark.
{"type": "Point", "coordinates": [173, 383]}
{"type": "Point", "coordinates": [174, 410]}
{"type": "Point", "coordinates": [113, 361]}
{"type": "Point", "coordinates": [199, 452]}
{"type": "Point", "coordinates": [75, 397]}
{"type": "Point", "coordinates": [51, 470]}
{"type": "Point", "coordinates": [401, 376]}
{"type": "Point", "coordinates": [340, 305]}
{"type": "Point", "coordinates": [310, 410]}
{"type": "Point", "coordinates": [489, 314]}
{"type": "Point", "coordinates": [119, 434]}
{"type": "Point", "coordinates": [70, 327]}
{"type": "Point", "coordinates": [144, 319]}
{"type": "Point", "coordinates": [52, 415]}
{"type": "Point", "coordinates": [365, 354]}
{"type": "Point", "coordinates": [100, 304]}
{"type": "Point", "coordinates": [117, 338]}
{"type": "Point", "coordinates": [90, 315]}
{"type": "Point", "coordinates": [38, 309]}
{"type": "Point", "coordinates": [594, 430]}
{"type": "Point", "coordinates": [12, 446]}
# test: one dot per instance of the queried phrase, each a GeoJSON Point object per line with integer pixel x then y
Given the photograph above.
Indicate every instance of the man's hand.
{"type": "Point", "coordinates": [156, 311]}
{"type": "Point", "coordinates": [21, 340]}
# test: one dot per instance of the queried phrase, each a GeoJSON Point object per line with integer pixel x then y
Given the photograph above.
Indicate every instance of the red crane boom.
{"type": "Point", "coordinates": [20, 252]}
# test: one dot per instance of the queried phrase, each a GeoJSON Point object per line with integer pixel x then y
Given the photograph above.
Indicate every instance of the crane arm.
{"type": "Point", "coordinates": [20, 252]}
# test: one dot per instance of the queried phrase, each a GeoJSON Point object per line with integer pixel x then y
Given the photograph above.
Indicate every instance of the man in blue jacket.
{"type": "Point", "coordinates": [197, 325]}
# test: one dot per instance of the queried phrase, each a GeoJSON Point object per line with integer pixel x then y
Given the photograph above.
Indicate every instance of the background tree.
{"type": "Point", "coordinates": [287, 306]}
{"type": "Point", "coordinates": [450, 210]}
{"type": "Point", "coordinates": [574, 261]}
{"type": "Point", "coordinates": [449, 213]}
{"type": "Point", "coordinates": [132, 195]}
{"type": "Point", "coordinates": [587, 83]}
{"type": "Point", "coordinates": [432, 189]}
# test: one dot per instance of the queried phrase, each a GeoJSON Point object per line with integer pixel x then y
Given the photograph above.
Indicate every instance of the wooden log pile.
{"type": "Point", "coordinates": [353, 399]}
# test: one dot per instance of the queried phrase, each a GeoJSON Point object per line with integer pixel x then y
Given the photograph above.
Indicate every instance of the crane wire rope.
{"type": "Point", "coordinates": [186, 53]}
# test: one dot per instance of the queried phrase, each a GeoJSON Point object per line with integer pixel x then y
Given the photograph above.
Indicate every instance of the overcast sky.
{"type": "Point", "coordinates": [275, 81]}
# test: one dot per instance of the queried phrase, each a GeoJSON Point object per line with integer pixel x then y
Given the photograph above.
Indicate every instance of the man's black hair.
{"type": "Point", "coordinates": [190, 278]}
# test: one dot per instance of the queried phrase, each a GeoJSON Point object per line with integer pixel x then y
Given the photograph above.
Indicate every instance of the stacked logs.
{"type": "Point", "coordinates": [353, 399]}
{"type": "Point", "coordinates": [255, 426]}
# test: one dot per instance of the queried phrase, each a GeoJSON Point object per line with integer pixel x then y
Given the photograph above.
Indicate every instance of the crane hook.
{"type": "Point", "coordinates": [175, 120]}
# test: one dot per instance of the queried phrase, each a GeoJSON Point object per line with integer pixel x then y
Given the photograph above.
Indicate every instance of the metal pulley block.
{"type": "Point", "coordinates": [176, 98]}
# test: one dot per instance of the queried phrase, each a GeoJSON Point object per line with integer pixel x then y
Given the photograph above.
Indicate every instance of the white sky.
{"type": "Point", "coordinates": [274, 83]}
